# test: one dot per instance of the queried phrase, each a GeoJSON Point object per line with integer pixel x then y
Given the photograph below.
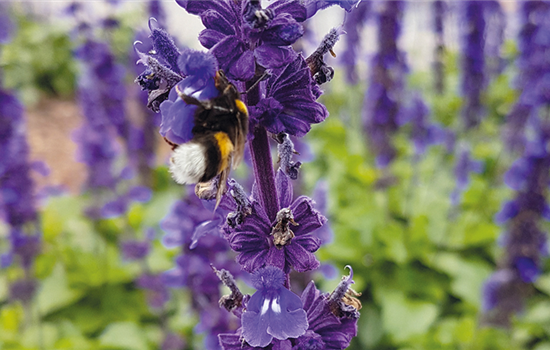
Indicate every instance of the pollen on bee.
{"type": "Point", "coordinates": [241, 106]}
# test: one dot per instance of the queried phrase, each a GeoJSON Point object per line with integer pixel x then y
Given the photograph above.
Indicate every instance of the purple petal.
{"type": "Point", "coordinates": [209, 37]}
{"type": "Point", "coordinates": [244, 67]}
{"type": "Point", "coordinates": [299, 258]}
{"type": "Point", "coordinates": [270, 56]}
{"type": "Point", "coordinates": [140, 194]}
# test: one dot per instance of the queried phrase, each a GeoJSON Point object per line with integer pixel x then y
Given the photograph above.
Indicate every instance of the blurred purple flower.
{"type": "Point", "coordinates": [135, 250]}
{"type": "Point", "coordinates": [423, 133]}
{"type": "Point", "coordinates": [7, 26]}
{"type": "Point", "coordinates": [524, 240]}
{"type": "Point", "coordinates": [385, 92]}
{"type": "Point", "coordinates": [156, 291]}
{"type": "Point", "coordinates": [353, 25]}
{"type": "Point", "coordinates": [439, 9]}
{"type": "Point", "coordinates": [16, 186]}
{"type": "Point", "coordinates": [464, 166]}
{"type": "Point", "coordinates": [196, 230]}
{"type": "Point", "coordinates": [532, 66]}
{"type": "Point", "coordinates": [473, 61]}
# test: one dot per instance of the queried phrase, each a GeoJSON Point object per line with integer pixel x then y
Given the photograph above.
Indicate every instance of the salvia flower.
{"type": "Point", "coordinates": [178, 116]}
{"type": "Point", "coordinates": [439, 9]}
{"type": "Point", "coordinates": [17, 200]}
{"type": "Point", "coordinates": [327, 327]}
{"type": "Point", "coordinates": [473, 62]}
{"type": "Point", "coordinates": [273, 311]}
{"type": "Point", "coordinates": [196, 231]}
{"type": "Point", "coordinates": [16, 185]}
{"type": "Point", "coordinates": [289, 105]}
{"type": "Point", "coordinates": [423, 133]}
{"type": "Point", "coordinates": [532, 67]}
{"type": "Point", "coordinates": [524, 239]}
{"type": "Point", "coordinates": [240, 34]}
{"type": "Point", "coordinates": [285, 242]}
{"type": "Point", "coordinates": [385, 92]}
{"type": "Point", "coordinates": [464, 166]}
{"type": "Point", "coordinates": [353, 26]}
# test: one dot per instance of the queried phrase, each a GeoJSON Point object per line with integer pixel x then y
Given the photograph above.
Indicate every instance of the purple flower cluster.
{"type": "Point", "coordinates": [353, 25]}
{"type": "Point", "coordinates": [271, 232]}
{"type": "Point", "coordinates": [17, 200]}
{"type": "Point", "coordinates": [383, 98]}
{"type": "Point", "coordinates": [196, 231]}
{"type": "Point", "coordinates": [524, 239]}
{"type": "Point", "coordinates": [474, 50]}
{"type": "Point", "coordinates": [532, 65]}
{"type": "Point", "coordinates": [96, 137]}
{"type": "Point", "coordinates": [439, 9]}
{"type": "Point", "coordinates": [464, 166]}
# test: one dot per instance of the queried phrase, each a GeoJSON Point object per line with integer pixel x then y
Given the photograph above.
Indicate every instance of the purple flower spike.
{"type": "Point", "coordinates": [6, 24]}
{"type": "Point", "coordinates": [527, 269]}
{"type": "Point", "coordinates": [273, 311]}
{"type": "Point", "coordinates": [135, 250]}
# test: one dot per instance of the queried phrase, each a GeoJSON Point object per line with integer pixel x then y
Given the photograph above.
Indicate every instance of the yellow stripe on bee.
{"type": "Point", "coordinates": [226, 148]}
{"type": "Point", "coordinates": [241, 106]}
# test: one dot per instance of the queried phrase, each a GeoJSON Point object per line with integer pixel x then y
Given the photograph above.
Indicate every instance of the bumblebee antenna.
{"type": "Point", "coordinates": [263, 77]}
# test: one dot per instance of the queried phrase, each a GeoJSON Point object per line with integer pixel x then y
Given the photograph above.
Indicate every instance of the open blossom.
{"type": "Point", "coordinates": [289, 105]}
{"type": "Point", "coordinates": [273, 311]}
{"type": "Point", "coordinates": [287, 242]}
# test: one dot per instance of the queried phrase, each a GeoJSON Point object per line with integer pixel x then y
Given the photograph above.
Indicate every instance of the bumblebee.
{"type": "Point", "coordinates": [219, 134]}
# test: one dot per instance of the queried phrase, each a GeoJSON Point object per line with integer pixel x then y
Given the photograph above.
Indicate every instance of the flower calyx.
{"type": "Point", "coordinates": [343, 300]}
{"type": "Point", "coordinates": [235, 299]}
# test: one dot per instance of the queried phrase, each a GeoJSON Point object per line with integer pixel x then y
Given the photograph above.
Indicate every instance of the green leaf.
{"type": "Point", "coordinates": [468, 275]}
{"type": "Point", "coordinates": [43, 335]}
{"type": "Point", "coordinates": [55, 293]}
{"type": "Point", "coordinates": [123, 335]}
{"type": "Point", "coordinates": [543, 283]}
{"type": "Point", "coordinates": [403, 317]}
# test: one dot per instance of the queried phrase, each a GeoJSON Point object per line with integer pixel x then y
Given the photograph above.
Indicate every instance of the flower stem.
{"type": "Point", "coordinates": [262, 162]}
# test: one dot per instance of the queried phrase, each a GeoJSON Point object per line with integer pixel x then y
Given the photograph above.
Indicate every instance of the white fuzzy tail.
{"type": "Point", "coordinates": [188, 163]}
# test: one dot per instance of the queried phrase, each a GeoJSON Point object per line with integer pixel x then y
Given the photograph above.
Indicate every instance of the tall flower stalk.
{"type": "Point", "coordinates": [17, 198]}
{"type": "Point", "coordinates": [524, 239]}
{"type": "Point", "coordinates": [270, 231]}
{"type": "Point", "coordinates": [385, 93]}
